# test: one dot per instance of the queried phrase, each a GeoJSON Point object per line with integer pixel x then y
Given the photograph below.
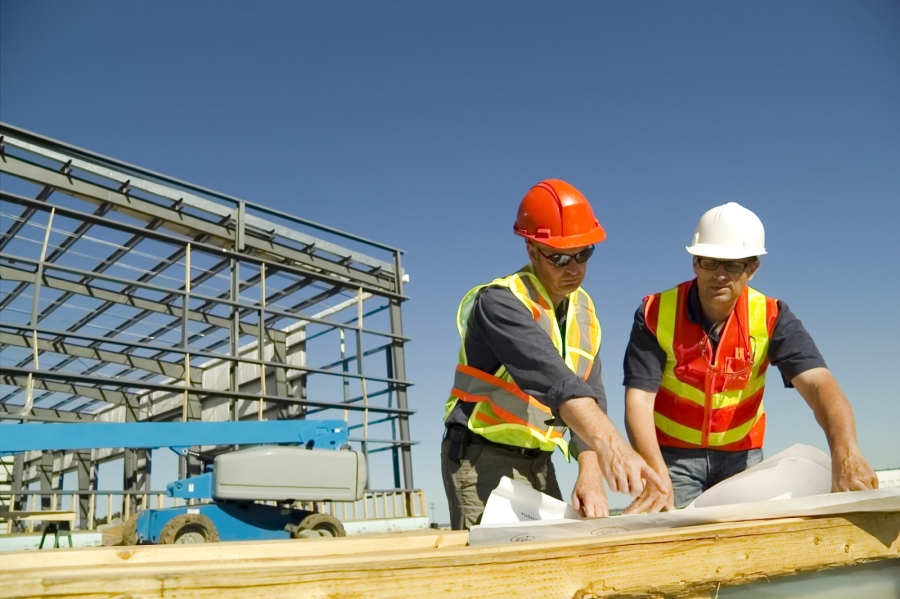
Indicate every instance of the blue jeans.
{"type": "Point", "coordinates": [695, 470]}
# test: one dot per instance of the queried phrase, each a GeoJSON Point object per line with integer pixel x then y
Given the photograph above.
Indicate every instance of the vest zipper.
{"type": "Point", "coordinates": [707, 397]}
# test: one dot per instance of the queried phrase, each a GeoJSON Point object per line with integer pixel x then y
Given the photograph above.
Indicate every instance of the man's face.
{"type": "Point", "coordinates": [718, 286]}
{"type": "Point", "coordinates": [559, 281]}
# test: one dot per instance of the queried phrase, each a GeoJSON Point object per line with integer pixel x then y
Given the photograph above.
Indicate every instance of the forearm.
{"type": "Point", "coordinates": [587, 463]}
{"type": "Point", "coordinates": [642, 434]}
{"type": "Point", "coordinates": [624, 470]}
{"type": "Point", "coordinates": [587, 420]}
{"type": "Point", "coordinates": [830, 406]}
{"type": "Point", "coordinates": [640, 426]}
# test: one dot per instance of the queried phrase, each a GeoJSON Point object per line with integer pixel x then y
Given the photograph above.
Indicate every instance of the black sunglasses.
{"type": "Point", "coordinates": [732, 266]}
{"type": "Point", "coordinates": [564, 259]}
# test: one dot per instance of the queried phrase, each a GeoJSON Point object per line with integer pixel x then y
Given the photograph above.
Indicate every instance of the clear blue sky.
{"type": "Point", "coordinates": [422, 124]}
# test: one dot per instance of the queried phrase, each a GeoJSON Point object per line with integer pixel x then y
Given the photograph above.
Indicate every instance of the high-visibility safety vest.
{"type": "Point", "coordinates": [711, 399]}
{"type": "Point", "coordinates": [503, 412]}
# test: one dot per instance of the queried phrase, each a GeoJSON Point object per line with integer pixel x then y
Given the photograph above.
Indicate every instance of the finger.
{"type": "Point", "coordinates": [589, 511]}
{"type": "Point", "coordinates": [860, 484]}
{"type": "Point", "coordinates": [576, 502]}
{"type": "Point", "coordinates": [635, 484]}
{"type": "Point", "coordinates": [650, 475]}
{"type": "Point", "coordinates": [849, 483]}
{"type": "Point", "coordinates": [643, 503]}
{"type": "Point", "coordinates": [636, 507]}
{"type": "Point", "coordinates": [614, 482]}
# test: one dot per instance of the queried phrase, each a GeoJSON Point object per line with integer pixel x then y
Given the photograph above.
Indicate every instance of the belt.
{"type": "Point", "coordinates": [528, 452]}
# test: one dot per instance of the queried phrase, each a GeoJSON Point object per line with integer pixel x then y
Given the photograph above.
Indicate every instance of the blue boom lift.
{"type": "Point", "coordinates": [315, 465]}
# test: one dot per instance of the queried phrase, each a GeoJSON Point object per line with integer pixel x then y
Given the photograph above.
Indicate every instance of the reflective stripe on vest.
{"type": "Point", "coordinates": [509, 403]}
{"type": "Point", "coordinates": [503, 412]}
{"type": "Point", "coordinates": [711, 399]}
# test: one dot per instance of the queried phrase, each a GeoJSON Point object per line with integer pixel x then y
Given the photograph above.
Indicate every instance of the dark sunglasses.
{"type": "Point", "coordinates": [733, 266]}
{"type": "Point", "coordinates": [564, 259]}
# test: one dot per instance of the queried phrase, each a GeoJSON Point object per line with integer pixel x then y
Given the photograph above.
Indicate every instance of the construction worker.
{"type": "Point", "coordinates": [529, 366]}
{"type": "Point", "coordinates": [696, 364]}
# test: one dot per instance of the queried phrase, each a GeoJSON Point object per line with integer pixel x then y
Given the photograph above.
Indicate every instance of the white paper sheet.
{"type": "Point", "coordinates": [513, 501]}
{"type": "Point", "coordinates": [789, 484]}
{"type": "Point", "coordinates": [798, 471]}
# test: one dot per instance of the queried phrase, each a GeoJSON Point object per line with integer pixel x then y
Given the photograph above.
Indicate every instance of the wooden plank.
{"type": "Point", "coordinates": [46, 515]}
{"type": "Point", "coordinates": [295, 548]}
{"type": "Point", "coordinates": [679, 562]}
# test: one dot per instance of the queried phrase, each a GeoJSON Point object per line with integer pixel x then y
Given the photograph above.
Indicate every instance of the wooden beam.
{"type": "Point", "coordinates": [425, 540]}
{"type": "Point", "coordinates": [679, 562]}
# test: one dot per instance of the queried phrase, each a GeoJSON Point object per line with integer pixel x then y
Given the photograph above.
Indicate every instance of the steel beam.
{"type": "Point", "coordinates": [172, 369]}
{"type": "Point", "coordinates": [181, 222]}
{"type": "Point", "coordinates": [79, 390]}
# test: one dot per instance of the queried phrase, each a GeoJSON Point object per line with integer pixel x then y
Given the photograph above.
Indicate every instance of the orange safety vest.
{"type": "Point", "coordinates": [503, 412]}
{"type": "Point", "coordinates": [711, 399]}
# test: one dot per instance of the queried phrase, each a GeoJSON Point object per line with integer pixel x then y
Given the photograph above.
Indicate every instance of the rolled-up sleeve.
{"type": "Point", "coordinates": [504, 324]}
{"type": "Point", "coordinates": [644, 360]}
{"type": "Point", "coordinates": [791, 347]}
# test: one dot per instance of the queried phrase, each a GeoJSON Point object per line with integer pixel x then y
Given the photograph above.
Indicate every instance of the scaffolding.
{"type": "Point", "coordinates": [131, 296]}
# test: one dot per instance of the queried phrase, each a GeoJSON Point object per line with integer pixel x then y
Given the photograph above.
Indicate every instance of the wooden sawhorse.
{"type": "Point", "coordinates": [59, 523]}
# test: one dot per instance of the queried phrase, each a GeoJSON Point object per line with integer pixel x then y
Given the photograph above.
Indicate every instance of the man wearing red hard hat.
{"type": "Point", "coordinates": [529, 368]}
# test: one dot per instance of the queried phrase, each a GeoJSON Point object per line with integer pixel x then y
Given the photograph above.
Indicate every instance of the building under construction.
{"type": "Point", "coordinates": [130, 296]}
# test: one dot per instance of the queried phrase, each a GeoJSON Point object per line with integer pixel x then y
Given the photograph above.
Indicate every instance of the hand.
{"type": "Point", "coordinates": [625, 470]}
{"type": "Point", "coordinates": [622, 467]}
{"type": "Point", "coordinates": [851, 472]}
{"type": "Point", "coordinates": [849, 469]}
{"type": "Point", "coordinates": [589, 497]}
{"type": "Point", "coordinates": [653, 498]}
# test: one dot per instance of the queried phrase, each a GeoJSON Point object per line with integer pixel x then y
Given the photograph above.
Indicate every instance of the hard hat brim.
{"type": "Point", "coordinates": [723, 252]}
{"type": "Point", "coordinates": [597, 235]}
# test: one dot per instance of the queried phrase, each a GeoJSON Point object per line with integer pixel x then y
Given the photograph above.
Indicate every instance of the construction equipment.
{"type": "Point", "coordinates": [238, 480]}
{"type": "Point", "coordinates": [308, 470]}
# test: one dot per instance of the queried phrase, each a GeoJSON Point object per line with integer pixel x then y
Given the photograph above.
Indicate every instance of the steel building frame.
{"type": "Point", "coordinates": [127, 295]}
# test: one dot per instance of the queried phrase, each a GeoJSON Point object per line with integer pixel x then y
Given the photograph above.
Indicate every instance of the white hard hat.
{"type": "Point", "coordinates": [728, 232]}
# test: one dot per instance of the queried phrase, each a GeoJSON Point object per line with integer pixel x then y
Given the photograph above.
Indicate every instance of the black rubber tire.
{"type": "Point", "coordinates": [189, 528]}
{"type": "Point", "coordinates": [319, 525]}
{"type": "Point", "coordinates": [129, 530]}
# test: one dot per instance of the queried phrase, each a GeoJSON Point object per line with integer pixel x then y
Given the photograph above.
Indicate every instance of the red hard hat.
{"type": "Point", "coordinates": [556, 214]}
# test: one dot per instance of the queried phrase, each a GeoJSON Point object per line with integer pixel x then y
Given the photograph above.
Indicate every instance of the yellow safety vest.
{"type": "Point", "coordinates": [503, 412]}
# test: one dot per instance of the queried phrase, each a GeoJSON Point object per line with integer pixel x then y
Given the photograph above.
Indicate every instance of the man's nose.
{"type": "Point", "coordinates": [573, 267]}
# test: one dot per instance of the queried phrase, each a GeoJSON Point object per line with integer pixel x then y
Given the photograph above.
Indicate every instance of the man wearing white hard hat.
{"type": "Point", "coordinates": [696, 365]}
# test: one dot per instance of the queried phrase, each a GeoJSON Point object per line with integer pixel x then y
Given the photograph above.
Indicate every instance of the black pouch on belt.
{"type": "Point", "coordinates": [459, 442]}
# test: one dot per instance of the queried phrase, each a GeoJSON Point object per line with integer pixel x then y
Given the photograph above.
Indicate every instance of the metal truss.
{"type": "Point", "coordinates": [127, 295]}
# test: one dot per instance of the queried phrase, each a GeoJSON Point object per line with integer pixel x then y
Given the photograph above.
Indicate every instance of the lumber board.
{"type": "Point", "coordinates": [297, 548]}
{"type": "Point", "coordinates": [46, 516]}
{"type": "Point", "coordinates": [679, 562]}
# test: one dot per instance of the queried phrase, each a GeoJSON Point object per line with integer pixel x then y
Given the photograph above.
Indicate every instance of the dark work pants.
{"type": "Point", "coordinates": [469, 482]}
